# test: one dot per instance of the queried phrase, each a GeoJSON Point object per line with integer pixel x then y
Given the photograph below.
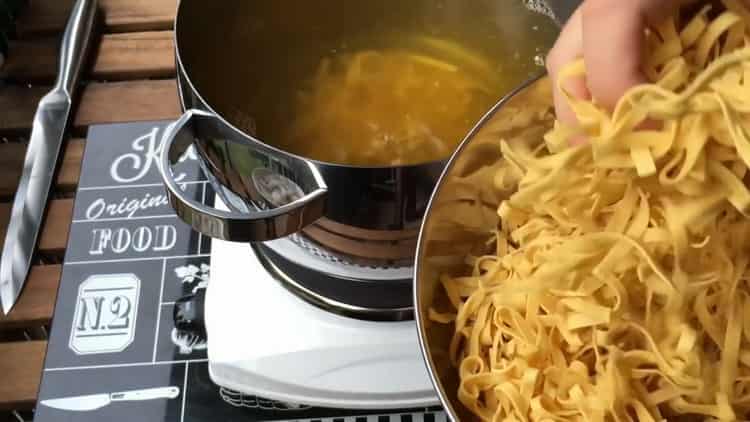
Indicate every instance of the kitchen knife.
{"type": "Point", "coordinates": [47, 134]}
{"type": "Point", "coordinates": [97, 401]}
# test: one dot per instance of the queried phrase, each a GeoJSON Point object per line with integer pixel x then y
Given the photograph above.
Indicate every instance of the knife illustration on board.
{"type": "Point", "coordinates": [47, 135]}
{"type": "Point", "coordinates": [97, 401]}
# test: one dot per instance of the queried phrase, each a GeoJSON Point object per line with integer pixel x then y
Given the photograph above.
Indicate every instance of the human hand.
{"type": "Point", "coordinates": [610, 36]}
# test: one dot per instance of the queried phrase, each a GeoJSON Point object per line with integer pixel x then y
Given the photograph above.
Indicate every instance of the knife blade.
{"type": "Point", "coordinates": [47, 135]}
{"type": "Point", "coordinates": [97, 401]}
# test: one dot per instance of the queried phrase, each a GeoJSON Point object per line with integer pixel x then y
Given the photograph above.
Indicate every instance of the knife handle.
{"type": "Point", "coordinates": [75, 43]}
{"type": "Point", "coordinates": [147, 394]}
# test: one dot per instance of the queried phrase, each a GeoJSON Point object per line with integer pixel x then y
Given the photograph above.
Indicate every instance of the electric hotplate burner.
{"type": "Point", "coordinates": [375, 301]}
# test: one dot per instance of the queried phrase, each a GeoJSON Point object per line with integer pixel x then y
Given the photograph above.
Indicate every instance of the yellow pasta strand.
{"type": "Point", "coordinates": [617, 286]}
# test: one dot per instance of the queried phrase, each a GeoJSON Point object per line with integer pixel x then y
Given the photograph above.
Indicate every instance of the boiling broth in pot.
{"type": "Point", "coordinates": [392, 106]}
{"type": "Point", "coordinates": [368, 83]}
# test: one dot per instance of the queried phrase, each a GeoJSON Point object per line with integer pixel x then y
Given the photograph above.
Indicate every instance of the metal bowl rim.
{"type": "Point", "coordinates": [446, 403]}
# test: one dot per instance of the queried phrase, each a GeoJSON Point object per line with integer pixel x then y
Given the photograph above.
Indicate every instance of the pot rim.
{"type": "Point", "coordinates": [184, 74]}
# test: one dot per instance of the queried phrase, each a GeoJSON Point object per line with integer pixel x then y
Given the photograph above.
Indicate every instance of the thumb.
{"type": "Point", "coordinates": [613, 44]}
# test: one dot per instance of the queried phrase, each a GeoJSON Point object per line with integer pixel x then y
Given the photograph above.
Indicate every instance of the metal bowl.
{"type": "Point", "coordinates": [460, 219]}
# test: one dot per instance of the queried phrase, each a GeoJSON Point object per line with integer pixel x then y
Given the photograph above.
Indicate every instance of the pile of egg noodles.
{"type": "Point", "coordinates": [619, 284]}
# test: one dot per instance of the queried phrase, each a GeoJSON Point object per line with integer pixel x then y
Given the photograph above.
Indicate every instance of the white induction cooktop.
{"type": "Point", "coordinates": [263, 340]}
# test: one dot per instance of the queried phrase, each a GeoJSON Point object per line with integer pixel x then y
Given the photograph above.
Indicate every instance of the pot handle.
{"type": "Point", "coordinates": [276, 206]}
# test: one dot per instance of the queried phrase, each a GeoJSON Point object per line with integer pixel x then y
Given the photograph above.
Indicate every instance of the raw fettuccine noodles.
{"type": "Point", "coordinates": [618, 288]}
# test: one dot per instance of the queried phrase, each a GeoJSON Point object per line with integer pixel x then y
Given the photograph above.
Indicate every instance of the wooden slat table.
{"type": "Point", "coordinates": [118, 57]}
{"type": "Point", "coordinates": [49, 16]}
{"type": "Point", "coordinates": [21, 366]}
{"type": "Point", "coordinates": [130, 77]}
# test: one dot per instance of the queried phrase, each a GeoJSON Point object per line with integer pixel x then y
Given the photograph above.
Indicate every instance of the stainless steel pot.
{"type": "Point", "coordinates": [230, 64]}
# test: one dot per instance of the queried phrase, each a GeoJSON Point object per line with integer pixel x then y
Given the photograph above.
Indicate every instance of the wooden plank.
{"type": "Point", "coordinates": [139, 55]}
{"type": "Point", "coordinates": [37, 301]}
{"type": "Point", "coordinates": [55, 228]}
{"type": "Point", "coordinates": [21, 364]}
{"type": "Point", "coordinates": [70, 167]}
{"type": "Point", "coordinates": [18, 105]}
{"type": "Point", "coordinates": [114, 102]}
{"type": "Point", "coordinates": [119, 102]}
{"type": "Point", "coordinates": [49, 16]}
{"type": "Point", "coordinates": [31, 60]}
{"type": "Point", "coordinates": [138, 15]}
{"type": "Point", "coordinates": [43, 17]}
{"type": "Point", "coordinates": [54, 236]}
{"type": "Point", "coordinates": [4, 218]}
{"type": "Point", "coordinates": [11, 161]}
